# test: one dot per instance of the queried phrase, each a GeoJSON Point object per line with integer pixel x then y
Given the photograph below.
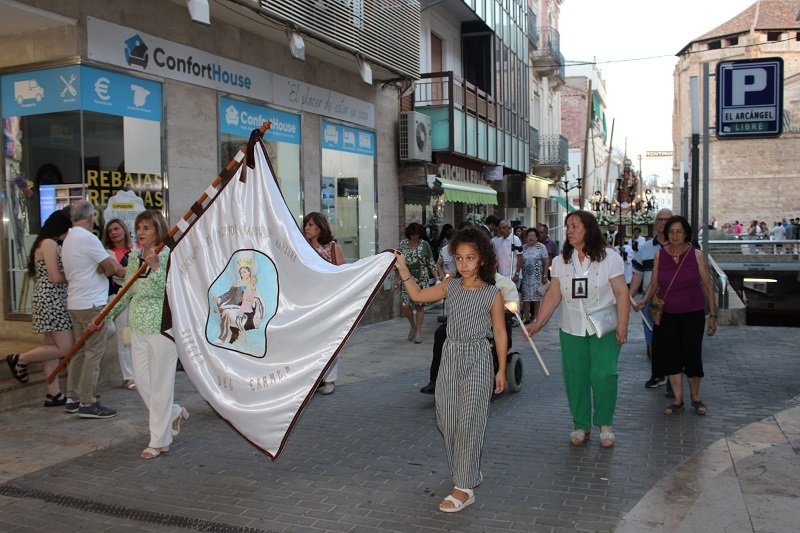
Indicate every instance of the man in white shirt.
{"type": "Point", "coordinates": [508, 248]}
{"type": "Point", "coordinates": [643, 261]}
{"type": "Point", "coordinates": [87, 265]}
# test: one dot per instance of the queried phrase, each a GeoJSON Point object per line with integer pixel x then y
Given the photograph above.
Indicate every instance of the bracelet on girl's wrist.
{"type": "Point", "coordinates": [404, 280]}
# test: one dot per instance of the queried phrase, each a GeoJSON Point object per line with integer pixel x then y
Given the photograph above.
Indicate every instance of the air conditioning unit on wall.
{"type": "Point", "coordinates": [415, 136]}
{"type": "Point", "coordinates": [550, 206]}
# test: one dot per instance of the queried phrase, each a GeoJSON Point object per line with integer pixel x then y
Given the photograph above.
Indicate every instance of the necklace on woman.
{"type": "Point", "coordinates": [676, 256]}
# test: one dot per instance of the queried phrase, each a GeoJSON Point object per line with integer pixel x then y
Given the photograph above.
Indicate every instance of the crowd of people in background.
{"type": "Point", "coordinates": [785, 229]}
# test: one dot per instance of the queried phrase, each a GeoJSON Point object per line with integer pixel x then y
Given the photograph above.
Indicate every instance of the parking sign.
{"type": "Point", "coordinates": [750, 98]}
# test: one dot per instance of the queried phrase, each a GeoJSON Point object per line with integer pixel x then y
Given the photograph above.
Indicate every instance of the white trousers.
{"type": "Point", "coordinates": [154, 359]}
{"type": "Point", "coordinates": [123, 348]}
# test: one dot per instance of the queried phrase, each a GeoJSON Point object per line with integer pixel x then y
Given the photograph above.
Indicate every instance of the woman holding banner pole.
{"type": "Point", "coordinates": [154, 356]}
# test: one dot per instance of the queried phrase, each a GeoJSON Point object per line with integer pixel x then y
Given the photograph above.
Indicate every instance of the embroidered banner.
{"type": "Point", "coordinates": [257, 315]}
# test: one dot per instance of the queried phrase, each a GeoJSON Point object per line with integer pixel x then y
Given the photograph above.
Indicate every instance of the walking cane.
{"type": "Point", "coordinates": [512, 306]}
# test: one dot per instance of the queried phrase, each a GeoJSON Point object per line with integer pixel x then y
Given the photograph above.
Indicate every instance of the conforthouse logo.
{"type": "Point", "coordinates": [136, 53]}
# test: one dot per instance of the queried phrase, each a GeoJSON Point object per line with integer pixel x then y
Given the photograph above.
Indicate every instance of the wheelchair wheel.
{"type": "Point", "coordinates": [514, 372]}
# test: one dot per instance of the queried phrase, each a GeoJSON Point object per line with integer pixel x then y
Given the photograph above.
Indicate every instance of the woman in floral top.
{"type": "Point", "coordinates": [419, 259]}
{"type": "Point", "coordinates": [154, 356]}
{"type": "Point", "coordinates": [535, 265]}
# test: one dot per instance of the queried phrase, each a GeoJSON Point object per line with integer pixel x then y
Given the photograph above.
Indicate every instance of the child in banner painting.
{"type": "Point", "coordinates": [463, 386]}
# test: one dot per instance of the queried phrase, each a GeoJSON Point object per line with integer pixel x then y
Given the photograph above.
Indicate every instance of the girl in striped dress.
{"type": "Point", "coordinates": [464, 385]}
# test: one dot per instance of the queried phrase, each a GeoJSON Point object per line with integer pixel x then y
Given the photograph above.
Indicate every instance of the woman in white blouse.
{"type": "Point", "coordinates": [589, 278]}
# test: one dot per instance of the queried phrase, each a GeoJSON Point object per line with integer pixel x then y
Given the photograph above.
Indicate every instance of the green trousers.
{"type": "Point", "coordinates": [590, 377]}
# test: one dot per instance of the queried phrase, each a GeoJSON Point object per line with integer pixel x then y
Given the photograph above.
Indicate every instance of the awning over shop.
{"type": "Point", "coordinates": [563, 203]}
{"type": "Point", "coordinates": [468, 193]}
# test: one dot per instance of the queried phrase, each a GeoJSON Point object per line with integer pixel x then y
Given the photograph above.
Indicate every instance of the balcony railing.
{"type": "Point", "coordinates": [447, 89]}
{"type": "Point", "coordinates": [553, 150]}
{"type": "Point", "coordinates": [549, 52]}
{"type": "Point", "coordinates": [534, 144]}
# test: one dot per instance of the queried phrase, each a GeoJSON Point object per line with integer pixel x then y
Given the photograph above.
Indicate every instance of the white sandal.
{"type": "Point", "coordinates": [458, 505]}
{"type": "Point", "coordinates": [152, 453]}
{"type": "Point", "coordinates": [579, 436]}
{"type": "Point", "coordinates": [176, 424]}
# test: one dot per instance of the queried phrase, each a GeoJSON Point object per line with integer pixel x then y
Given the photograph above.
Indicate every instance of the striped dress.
{"type": "Point", "coordinates": [466, 380]}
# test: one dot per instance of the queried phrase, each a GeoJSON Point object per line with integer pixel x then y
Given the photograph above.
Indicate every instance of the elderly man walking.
{"type": "Point", "coordinates": [87, 265]}
{"type": "Point", "coordinates": [643, 260]}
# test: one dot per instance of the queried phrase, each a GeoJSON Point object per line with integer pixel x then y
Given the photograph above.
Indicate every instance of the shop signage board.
{"type": "Point", "coordinates": [131, 49]}
{"type": "Point", "coordinates": [77, 87]}
{"type": "Point", "coordinates": [750, 98]}
{"type": "Point", "coordinates": [346, 139]}
{"type": "Point", "coordinates": [240, 118]}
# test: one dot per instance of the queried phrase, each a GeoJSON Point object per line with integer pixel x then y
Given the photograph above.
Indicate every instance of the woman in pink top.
{"type": "Point", "coordinates": [117, 240]}
{"type": "Point", "coordinates": [319, 236]}
{"type": "Point", "coordinates": [683, 280]}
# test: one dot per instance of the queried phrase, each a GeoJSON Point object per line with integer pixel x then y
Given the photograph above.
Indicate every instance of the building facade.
{"type": "Point", "coordinates": [583, 123]}
{"type": "Point", "coordinates": [471, 99]}
{"type": "Point", "coordinates": [750, 179]}
{"type": "Point", "coordinates": [102, 99]}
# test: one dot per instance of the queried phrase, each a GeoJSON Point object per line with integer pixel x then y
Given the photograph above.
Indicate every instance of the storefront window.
{"type": "Point", "coordinates": [72, 133]}
{"type": "Point", "coordinates": [348, 187]}
{"type": "Point", "coordinates": [237, 119]}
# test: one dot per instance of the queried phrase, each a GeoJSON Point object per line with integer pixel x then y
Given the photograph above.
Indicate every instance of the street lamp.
{"type": "Point", "coordinates": [596, 201]}
{"type": "Point", "coordinates": [566, 187]}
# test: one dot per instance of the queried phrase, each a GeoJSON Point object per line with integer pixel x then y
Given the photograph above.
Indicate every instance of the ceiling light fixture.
{"type": "Point", "coordinates": [364, 69]}
{"type": "Point", "coordinates": [297, 46]}
{"type": "Point", "coordinates": [199, 11]}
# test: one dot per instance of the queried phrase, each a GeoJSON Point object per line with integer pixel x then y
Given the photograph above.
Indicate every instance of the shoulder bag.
{"type": "Point", "coordinates": [603, 320]}
{"type": "Point", "coordinates": [656, 306]}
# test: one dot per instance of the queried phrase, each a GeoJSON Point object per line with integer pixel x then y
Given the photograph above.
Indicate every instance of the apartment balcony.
{"type": "Point", "coordinates": [553, 158]}
{"type": "Point", "coordinates": [547, 60]}
{"type": "Point", "coordinates": [464, 121]}
{"type": "Point", "coordinates": [533, 30]}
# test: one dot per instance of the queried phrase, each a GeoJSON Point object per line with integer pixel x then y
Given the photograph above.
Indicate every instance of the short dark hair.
{"type": "Point", "coordinates": [534, 231]}
{"type": "Point", "coordinates": [415, 228]}
{"type": "Point", "coordinates": [492, 220]}
{"type": "Point", "coordinates": [687, 229]}
{"type": "Point", "coordinates": [478, 239]}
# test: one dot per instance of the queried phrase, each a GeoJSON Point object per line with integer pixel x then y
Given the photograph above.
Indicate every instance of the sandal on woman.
{"type": "Point", "coordinates": [152, 453]}
{"type": "Point", "coordinates": [699, 407]}
{"type": "Point", "coordinates": [18, 370]}
{"type": "Point", "coordinates": [55, 401]}
{"type": "Point", "coordinates": [607, 439]}
{"type": "Point", "coordinates": [176, 424]}
{"type": "Point", "coordinates": [674, 409]}
{"type": "Point", "coordinates": [326, 388]}
{"type": "Point", "coordinates": [457, 504]}
{"type": "Point", "coordinates": [128, 384]}
{"type": "Point", "coordinates": [579, 436]}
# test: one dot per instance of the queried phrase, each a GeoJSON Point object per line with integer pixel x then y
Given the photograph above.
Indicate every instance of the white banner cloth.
{"type": "Point", "coordinates": [257, 314]}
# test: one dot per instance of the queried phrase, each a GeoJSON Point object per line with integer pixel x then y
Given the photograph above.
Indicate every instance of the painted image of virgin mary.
{"type": "Point", "coordinates": [241, 308]}
{"type": "Point", "coordinates": [241, 302]}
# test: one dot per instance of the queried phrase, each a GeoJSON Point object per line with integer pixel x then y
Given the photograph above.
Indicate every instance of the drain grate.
{"type": "Point", "coordinates": [119, 511]}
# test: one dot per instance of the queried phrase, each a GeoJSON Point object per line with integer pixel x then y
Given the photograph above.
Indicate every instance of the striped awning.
{"type": "Point", "coordinates": [468, 193]}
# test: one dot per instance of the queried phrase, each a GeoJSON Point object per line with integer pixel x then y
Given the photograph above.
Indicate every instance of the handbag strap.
{"type": "Point", "coordinates": [676, 272]}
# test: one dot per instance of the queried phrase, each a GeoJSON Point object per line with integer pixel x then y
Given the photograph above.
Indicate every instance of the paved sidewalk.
{"type": "Point", "coordinates": [369, 458]}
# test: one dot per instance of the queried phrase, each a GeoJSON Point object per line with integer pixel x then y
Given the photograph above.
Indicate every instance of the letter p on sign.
{"type": "Point", "coordinates": [745, 81]}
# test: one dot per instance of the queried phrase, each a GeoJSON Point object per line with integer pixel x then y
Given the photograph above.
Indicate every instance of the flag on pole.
{"type": "Point", "coordinates": [258, 315]}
